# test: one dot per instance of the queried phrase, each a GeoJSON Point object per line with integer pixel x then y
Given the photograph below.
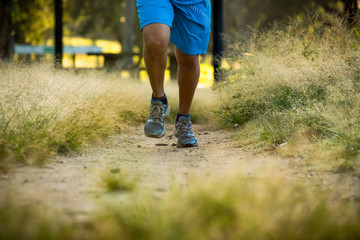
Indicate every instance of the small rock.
{"type": "Point", "coordinates": [139, 146]}
{"type": "Point", "coordinates": [161, 144]}
{"type": "Point", "coordinates": [85, 167]}
{"type": "Point", "coordinates": [174, 144]}
{"type": "Point", "coordinates": [206, 133]}
{"type": "Point", "coordinates": [25, 181]}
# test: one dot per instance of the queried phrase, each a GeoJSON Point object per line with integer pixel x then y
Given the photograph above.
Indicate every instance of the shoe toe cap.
{"type": "Point", "coordinates": [187, 141]}
{"type": "Point", "coordinates": [154, 129]}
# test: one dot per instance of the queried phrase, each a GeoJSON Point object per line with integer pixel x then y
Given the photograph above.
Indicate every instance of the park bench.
{"type": "Point", "coordinates": [27, 50]}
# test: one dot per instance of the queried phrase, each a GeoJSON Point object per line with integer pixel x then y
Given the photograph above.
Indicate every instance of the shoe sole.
{"type": "Point", "coordinates": [187, 145]}
{"type": "Point", "coordinates": [163, 133]}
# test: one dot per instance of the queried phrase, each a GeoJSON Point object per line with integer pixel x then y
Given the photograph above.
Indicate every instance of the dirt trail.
{"type": "Point", "coordinates": [71, 184]}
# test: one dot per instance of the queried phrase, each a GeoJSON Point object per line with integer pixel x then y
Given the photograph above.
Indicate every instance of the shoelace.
{"type": "Point", "coordinates": [156, 113]}
{"type": "Point", "coordinates": [184, 128]}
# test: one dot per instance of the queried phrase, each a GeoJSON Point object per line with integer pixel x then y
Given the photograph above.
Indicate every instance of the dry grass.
{"type": "Point", "coordinates": [117, 180]}
{"type": "Point", "coordinates": [45, 111]}
{"type": "Point", "coordinates": [28, 221]}
{"type": "Point", "coordinates": [295, 88]}
{"type": "Point", "coordinates": [232, 207]}
{"type": "Point", "coordinates": [262, 208]}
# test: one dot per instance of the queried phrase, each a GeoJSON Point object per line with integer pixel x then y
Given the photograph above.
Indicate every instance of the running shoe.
{"type": "Point", "coordinates": [154, 126]}
{"type": "Point", "coordinates": [183, 131]}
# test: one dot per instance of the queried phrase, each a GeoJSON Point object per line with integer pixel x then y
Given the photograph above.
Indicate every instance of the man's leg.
{"type": "Point", "coordinates": [188, 78]}
{"type": "Point", "coordinates": [156, 39]}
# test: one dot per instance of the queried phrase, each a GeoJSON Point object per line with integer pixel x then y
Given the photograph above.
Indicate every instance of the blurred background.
{"type": "Point", "coordinates": [105, 34]}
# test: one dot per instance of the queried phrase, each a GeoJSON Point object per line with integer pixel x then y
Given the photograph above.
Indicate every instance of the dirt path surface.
{"type": "Point", "coordinates": [71, 184]}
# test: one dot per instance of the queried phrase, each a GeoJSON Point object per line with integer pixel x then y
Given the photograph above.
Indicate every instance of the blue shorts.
{"type": "Point", "coordinates": [189, 20]}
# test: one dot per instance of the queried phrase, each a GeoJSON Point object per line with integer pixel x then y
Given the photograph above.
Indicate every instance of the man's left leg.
{"type": "Point", "coordinates": [188, 78]}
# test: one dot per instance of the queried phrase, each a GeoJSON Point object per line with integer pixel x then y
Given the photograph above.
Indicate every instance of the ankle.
{"type": "Point", "coordinates": [163, 99]}
{"type": "Point", "coordinates": [181, 115]}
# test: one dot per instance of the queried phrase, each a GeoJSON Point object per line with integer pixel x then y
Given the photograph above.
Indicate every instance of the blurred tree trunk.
{"type": "Point", "coordinates": [351, 7]}
{"type": "Point", "coordinates": [128, 32]}
{"type": "Point", "coordinates": [217, 39]}
{"type": "Point", "coordinates": [58, 33]}
{"type": "Point", "coordinates": [6, 42]}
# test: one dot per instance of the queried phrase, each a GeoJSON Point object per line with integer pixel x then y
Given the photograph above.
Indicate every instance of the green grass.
{"type": "Point", "coordinates": [297, 89]}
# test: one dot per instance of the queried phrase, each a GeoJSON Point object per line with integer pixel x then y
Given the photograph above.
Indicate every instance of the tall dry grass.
{"type": "Point", "coordinates": [295, 88]}
{"type": "Point", "coordinates": [45, 111]}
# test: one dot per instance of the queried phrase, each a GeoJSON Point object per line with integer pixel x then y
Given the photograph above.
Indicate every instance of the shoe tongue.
{"type": "Point", "coordinates": [157, 103]}
{"type": "Point", "coordinates": [184, 119]}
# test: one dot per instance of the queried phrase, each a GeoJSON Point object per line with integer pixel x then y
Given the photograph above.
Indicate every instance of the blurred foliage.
{"type": "Point", "coordinates": [34, 19]}
{"type": "Point", "coordinates": [98, 19]}
{"type": "Point", "coordinates": [261, 13]}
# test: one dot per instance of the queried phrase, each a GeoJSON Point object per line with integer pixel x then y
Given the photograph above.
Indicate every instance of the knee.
{"type": "Point", "coordinates": [188, 61]}
{"type": "Point", "coordinates": [156, 41]}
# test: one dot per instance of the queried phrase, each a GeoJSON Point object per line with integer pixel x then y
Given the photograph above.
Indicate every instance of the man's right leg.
{"type": "Point", "coordinates": [156, 39]}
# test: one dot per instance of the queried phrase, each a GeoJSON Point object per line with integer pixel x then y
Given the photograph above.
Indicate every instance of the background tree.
{"type": "Point", "coordinates": [33, 20]}
{"type": "Point", "coordinates": [101, 19]}
{"type": "Point", "coordinates": [351, 9]}
{"type": "Point", "coordinates": [5, 30]}
{"type": "Point", "coordinates": [261, 13]}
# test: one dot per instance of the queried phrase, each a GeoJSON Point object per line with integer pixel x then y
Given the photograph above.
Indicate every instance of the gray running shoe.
{"type": "Point", "coordinates": [154, 126]}
{"type": "Point", "coordinates": [183, 131]}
